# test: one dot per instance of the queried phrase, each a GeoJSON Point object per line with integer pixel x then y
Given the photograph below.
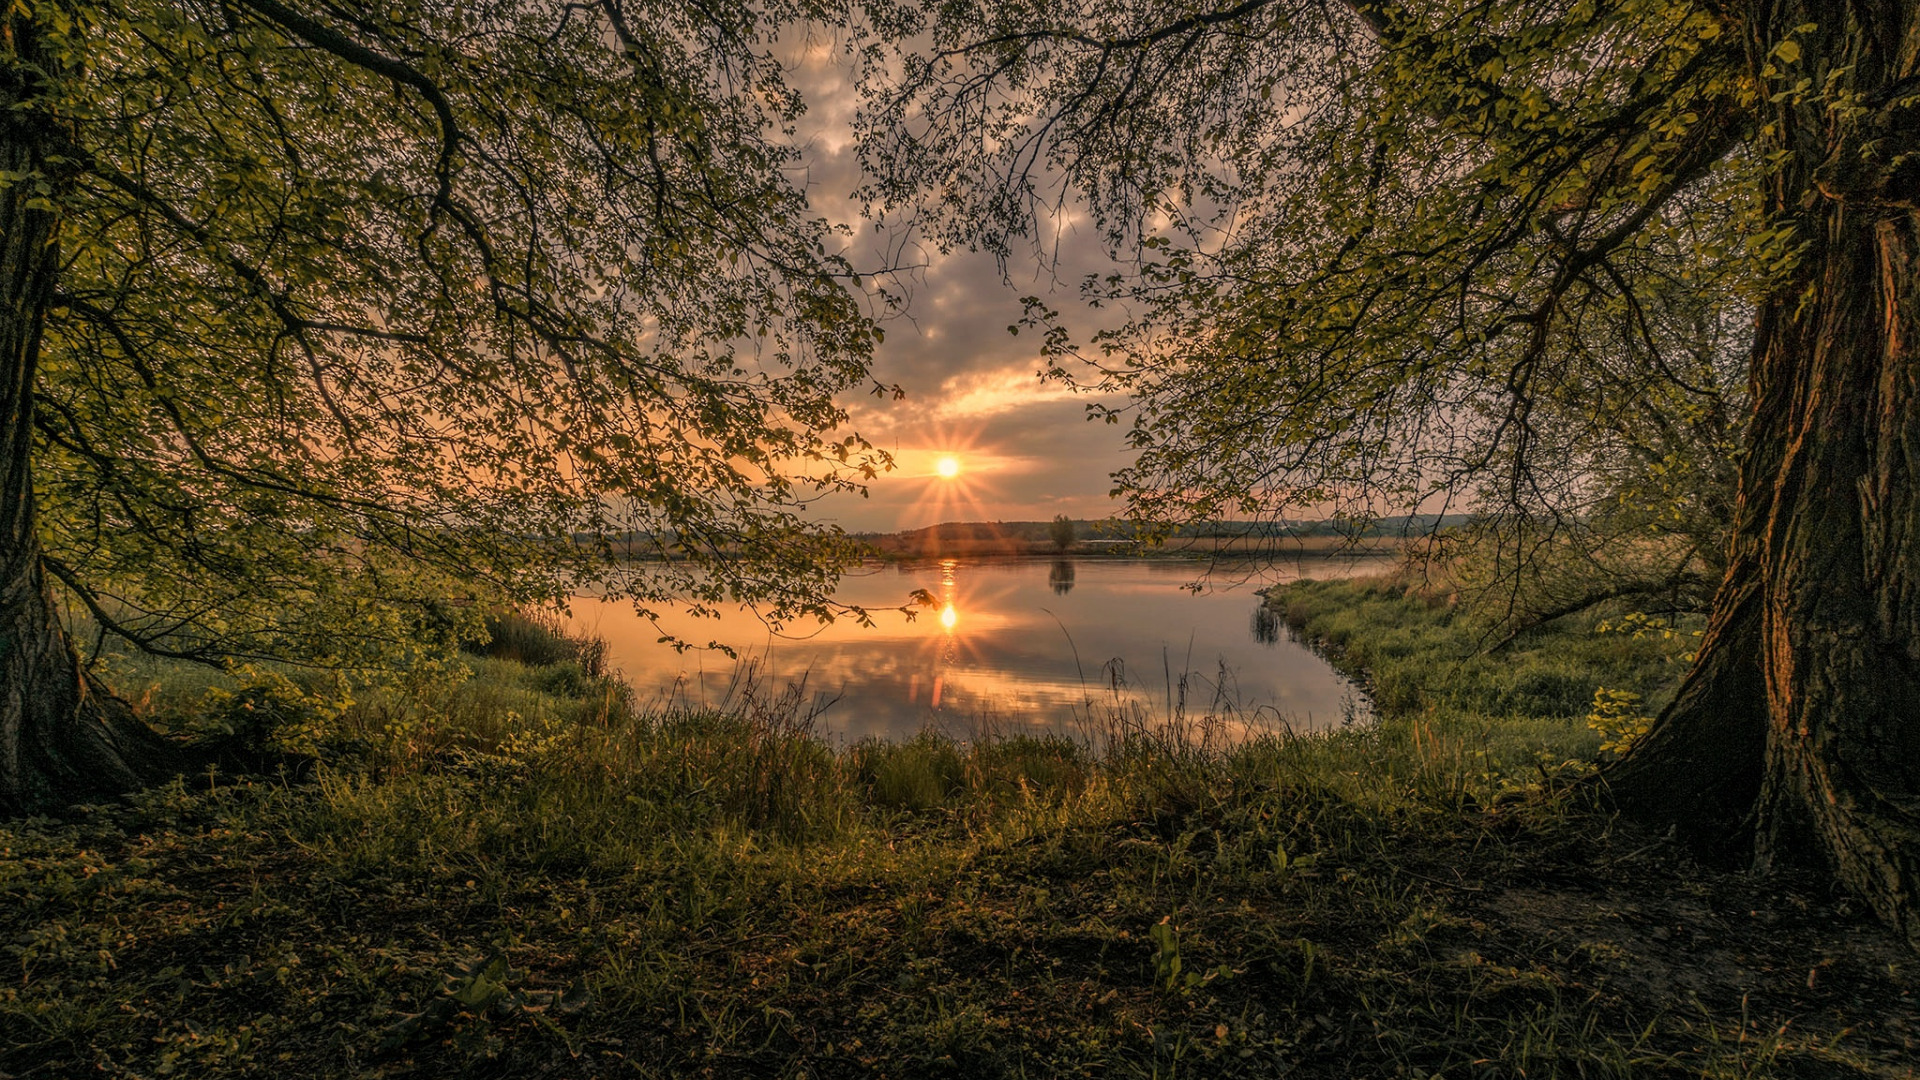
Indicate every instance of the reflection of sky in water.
{"type": "Point", "coordinates": [1009, 645]}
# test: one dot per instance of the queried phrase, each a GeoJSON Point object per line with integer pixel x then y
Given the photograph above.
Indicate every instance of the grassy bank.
{"type": "Point", "coordinates": [500, 871]}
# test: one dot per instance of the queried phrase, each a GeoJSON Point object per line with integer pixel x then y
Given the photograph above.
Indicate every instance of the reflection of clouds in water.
{"type": "Point", "coordinates": [1012, 655]}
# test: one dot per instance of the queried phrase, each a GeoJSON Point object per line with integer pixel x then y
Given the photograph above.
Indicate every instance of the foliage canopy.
{"type": "Point", "coordinates": [1385, 257]}
{"type": "Point", "coordinates": [359, 309]}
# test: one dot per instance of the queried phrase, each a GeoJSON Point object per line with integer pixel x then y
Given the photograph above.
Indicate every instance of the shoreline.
{"type": "Point", "coordinates": [1187, 548]}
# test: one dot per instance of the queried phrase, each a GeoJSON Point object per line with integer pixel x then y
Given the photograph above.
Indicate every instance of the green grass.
{"type": "Point", "coordinates": [1419, 652]}
{"type": "Point", "coordinates": [499, 870]}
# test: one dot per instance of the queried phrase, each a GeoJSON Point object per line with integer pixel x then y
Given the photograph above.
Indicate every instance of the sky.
{"type": "Point", "coordinates": [1025, 448]}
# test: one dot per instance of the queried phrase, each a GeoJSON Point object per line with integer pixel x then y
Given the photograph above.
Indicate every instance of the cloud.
{"type": "Point", "coordinates": [969, 384]}
{"type": "Point", "coordinates": [990, 393]}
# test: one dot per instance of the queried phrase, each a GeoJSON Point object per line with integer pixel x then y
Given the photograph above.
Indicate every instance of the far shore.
{"type": "Point", "coordinates": [1095, 540]}
{"type": "Point", "coordinates": [924, 546]}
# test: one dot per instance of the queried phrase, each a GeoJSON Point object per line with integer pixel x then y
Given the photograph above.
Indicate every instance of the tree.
{"type": "Point", "coordinates": [1060, 531]}
{"type": "Point", "coordinates": [1372, 240]}
{"type": "Point", "coordinates": [1629, 475]}
{"type": "Point", "coordinates": [324, 321]}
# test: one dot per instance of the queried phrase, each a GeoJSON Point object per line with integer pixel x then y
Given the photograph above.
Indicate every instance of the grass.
{"type": "Point", "coordinates": [500, 870]}
{"type": "Point", "coordinates": [1420, 652]}
{"type": "Point", "coordinates": [539, 639]}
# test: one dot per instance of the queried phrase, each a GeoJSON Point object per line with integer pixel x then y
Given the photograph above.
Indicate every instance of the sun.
{"type": "Point", "coordinates": [952, 474]}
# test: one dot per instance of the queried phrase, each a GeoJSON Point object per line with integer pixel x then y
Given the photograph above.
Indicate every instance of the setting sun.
{"type": "Point", "coordinates": [948, 467]}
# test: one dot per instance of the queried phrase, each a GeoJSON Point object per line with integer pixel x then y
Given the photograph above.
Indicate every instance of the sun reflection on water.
{"type": "Point", "coordinates": [948, 645]}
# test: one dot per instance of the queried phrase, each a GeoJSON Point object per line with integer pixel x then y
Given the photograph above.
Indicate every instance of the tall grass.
{"type": "Point", "coordinates": [508, 869]}
{"type": "Point", "coordinates": [756, 764]}
{"type": "Point", "coordinates": [556, 738]}
{"type": "Point", "coordinates": [540, 638]}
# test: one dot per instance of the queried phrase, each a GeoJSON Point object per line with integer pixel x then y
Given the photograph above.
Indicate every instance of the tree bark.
{"type": "Point", "coordinates": [62, 738]}
{"type": "Point", "coordinates": [1797, 734]}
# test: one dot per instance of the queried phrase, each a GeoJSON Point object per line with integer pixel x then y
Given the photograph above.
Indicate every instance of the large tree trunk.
{"type": "Point", "coordinates": [1797, 735]}
{"type": "Point", "coordinates": [62, 739]}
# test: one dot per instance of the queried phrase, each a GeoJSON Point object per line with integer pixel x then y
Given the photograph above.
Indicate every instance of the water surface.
{"type": "Point", "coordinates": [1010, 646]}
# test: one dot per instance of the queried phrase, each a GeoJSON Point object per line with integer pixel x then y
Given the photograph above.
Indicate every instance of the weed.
{"type": "Point", "coordinates": [1618, 717]}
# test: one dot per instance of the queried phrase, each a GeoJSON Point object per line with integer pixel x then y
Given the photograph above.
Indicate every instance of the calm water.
{"type": "Point", "coordinates": [1013, 646]}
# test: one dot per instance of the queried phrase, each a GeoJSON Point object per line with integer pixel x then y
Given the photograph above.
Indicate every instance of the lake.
{"type": "Point", "coordinates": [1013, 646]}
